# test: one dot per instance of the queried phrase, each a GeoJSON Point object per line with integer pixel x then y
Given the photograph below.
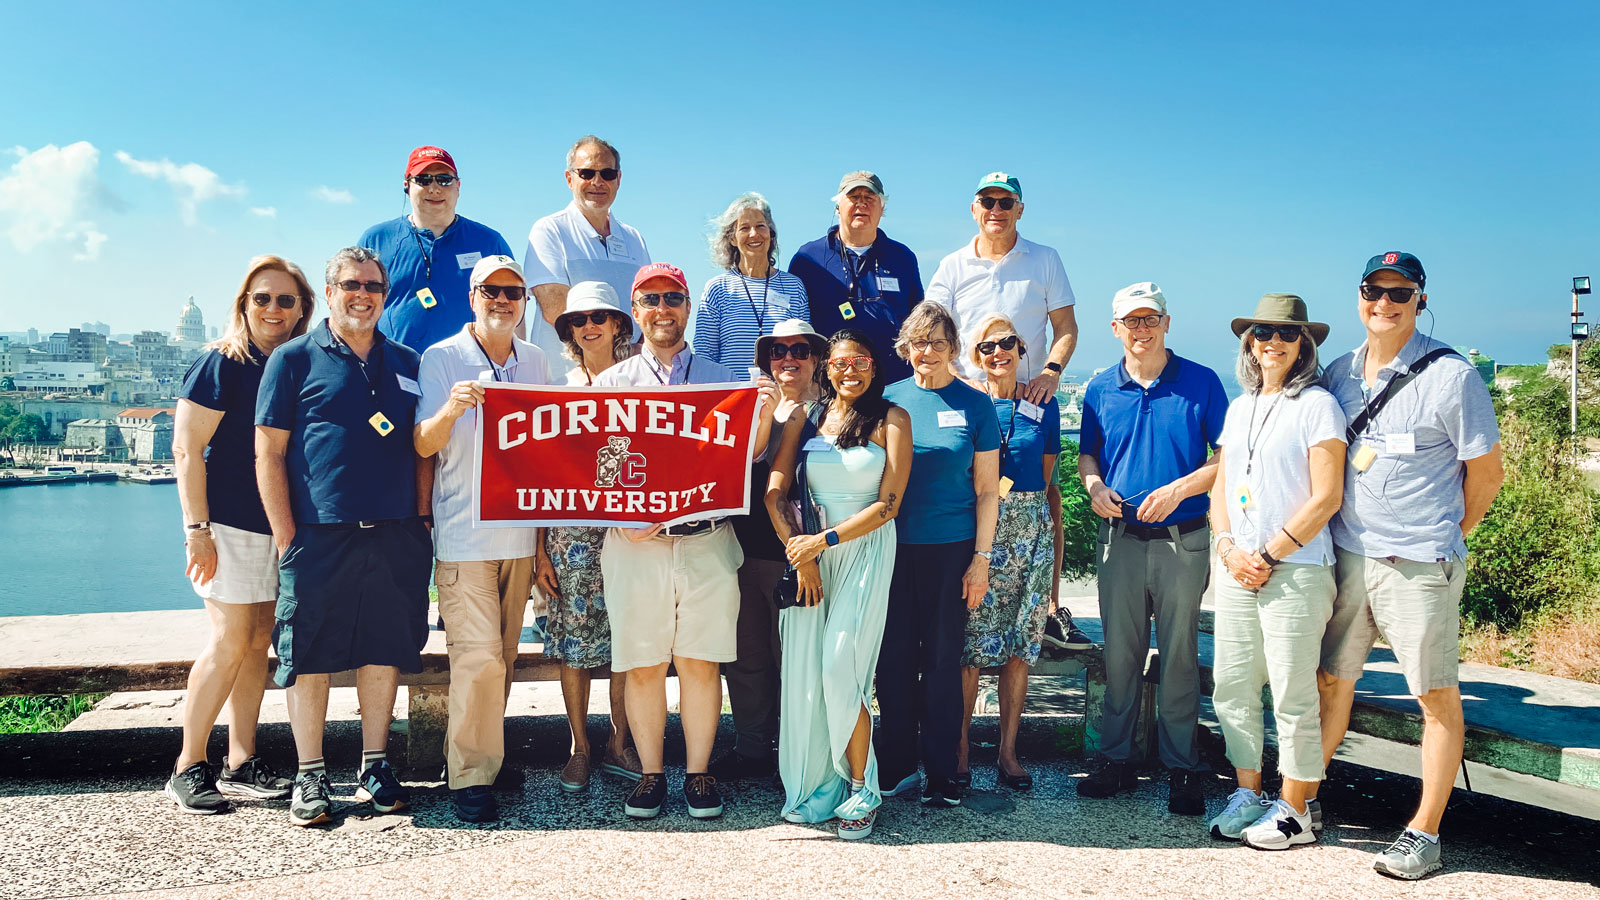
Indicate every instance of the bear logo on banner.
{"type": "Point", "coordinates": [616, 466]}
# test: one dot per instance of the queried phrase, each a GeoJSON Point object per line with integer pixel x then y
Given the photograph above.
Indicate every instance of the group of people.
{"type": "Point", "coordinates": [905, 526]}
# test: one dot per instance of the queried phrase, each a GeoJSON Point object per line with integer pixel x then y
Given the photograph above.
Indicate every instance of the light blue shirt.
{"type": "Point", "coordinates": [643, 370]}
{"type": "Point", "coordinates": [1409, 503]}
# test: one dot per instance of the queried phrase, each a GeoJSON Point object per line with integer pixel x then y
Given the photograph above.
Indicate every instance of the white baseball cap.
{"type": "Point", "coordinates": [1143, 295]}
{"type": "Point", "coordinates": [491, 264]}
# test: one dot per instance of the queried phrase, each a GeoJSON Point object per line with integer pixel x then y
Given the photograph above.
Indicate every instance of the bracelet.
{"type": "Point", "coordinates": [196, 528]}
{"type": "Point", "coordinates": [1267, 557]}
{"type": "Point", "coordinates": [1292, 538]}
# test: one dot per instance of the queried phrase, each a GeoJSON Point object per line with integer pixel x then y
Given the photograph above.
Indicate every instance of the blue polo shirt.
{"type": "Point", "coordinates": [949, 426]}
{"type": "Point", "coordinates": [229, 387]}
{"type": "Point", "coordinates": [341, 469]}
{"type": "Point", "coordinates": [1024, 443]}
{"type": "Point", "coordinates": [418, 259]}
{"type": "Point", "coordinates": [888, 286]}
{"type": "Point", "coordinates": [1144, 438]}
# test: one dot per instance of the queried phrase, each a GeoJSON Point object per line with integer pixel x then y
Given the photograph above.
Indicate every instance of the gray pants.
{"type": "Point", "coordinates": [1137, 579]}
{"type": "Point", "coordinates": [753, 677]}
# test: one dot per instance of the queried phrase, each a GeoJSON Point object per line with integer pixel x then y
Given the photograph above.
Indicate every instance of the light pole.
{"type": "Point", "coordinates": [1580, 331]}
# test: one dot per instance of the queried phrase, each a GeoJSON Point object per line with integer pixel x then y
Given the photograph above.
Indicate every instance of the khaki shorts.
{"type": "Point", "coordinates": [672, 596]}
{"type": "Point", "coordinates": [247, 567]}
{"type": "Point", "coordinates": [1414, 606]}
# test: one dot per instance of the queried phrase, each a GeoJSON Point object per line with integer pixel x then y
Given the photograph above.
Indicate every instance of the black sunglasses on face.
{"type": "Point", "coordinates": [1009, 342]}
{"type": "Point", "coordinates": [606, 174]}
{"type": "Point", "coordinates": [798, 351]}
{"type": "Point", "coordinates": [1286, 333]}
{"type": "Point", "coordinates": [598, 317]}
{"type": "Point", "coordinates": [1372, 293]}
{"type": "Point", "coordinates": [1002, 202]}
{"type": "Point", "coordinates": [371, 287]}
{"type": "Point", "coordinates": [673, 299]}
{"type": "Point", "coordinates": [512, 292]}
{"type": "Point", "coordinates": [440, 180]}
{"type": "Point", "coordinates": [285, 301]}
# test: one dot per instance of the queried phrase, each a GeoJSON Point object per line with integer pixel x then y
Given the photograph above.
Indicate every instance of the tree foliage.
{"type": "Point", "coordinates": [1078, 521]}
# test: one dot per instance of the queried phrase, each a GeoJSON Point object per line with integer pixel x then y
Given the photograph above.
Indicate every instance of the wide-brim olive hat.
{"type": "Point", "coordinates": [1282, 309]}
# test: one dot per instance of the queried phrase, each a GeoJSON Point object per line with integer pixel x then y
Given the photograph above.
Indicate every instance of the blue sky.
{"type": "Point", "coordinates": [1222, 151]}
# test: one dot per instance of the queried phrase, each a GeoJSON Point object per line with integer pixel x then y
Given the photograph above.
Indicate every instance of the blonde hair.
{"type": "Point", "coordinates": [923, 320]}
{"type": "Point", "coordinates": [235, 344]}
{"type": "Point", "coordinates": [984, 325]}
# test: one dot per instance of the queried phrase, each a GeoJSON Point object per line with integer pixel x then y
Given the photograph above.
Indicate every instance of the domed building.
{"type": "Point", "coordinates": [191, 326]}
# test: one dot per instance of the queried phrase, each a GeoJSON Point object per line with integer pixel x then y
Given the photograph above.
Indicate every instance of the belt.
{"type": "Point", "coordinates": [1163, 533]}
{"type": "Point", "coordinates": [684, 529]}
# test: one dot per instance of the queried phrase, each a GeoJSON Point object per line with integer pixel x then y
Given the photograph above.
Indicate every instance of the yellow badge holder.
{"type": "Point", "coordinates": [381, 424]}
{"type": "Point", "coordinates": [847, 311]}
{"type": "Point", "coordinates": [1005, 486]}
{"type": "Point", "coordinates": [427, 299]}
{"type": "Point", "coordinates": [1363, 457]}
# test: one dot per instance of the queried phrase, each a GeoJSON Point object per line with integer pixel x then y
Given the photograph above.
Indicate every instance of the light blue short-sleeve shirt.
{"type": "Point", "coordinates": [1409, 503]}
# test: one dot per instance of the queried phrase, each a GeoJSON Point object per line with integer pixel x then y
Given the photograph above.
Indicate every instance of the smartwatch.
{"type": "Point", "coordinates": [1053, 367]}
{"type": "Point", "coordinates": [986, 554]}
{"type": "Point", "coordinates": [832, 537]}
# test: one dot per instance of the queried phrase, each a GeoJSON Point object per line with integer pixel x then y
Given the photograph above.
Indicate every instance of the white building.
{"type": "Point", "coordinates": [191, 325]}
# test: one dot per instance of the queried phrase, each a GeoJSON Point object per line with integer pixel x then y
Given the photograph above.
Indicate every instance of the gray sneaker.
{"type": "Point", "coordinates": [1245, 808]}
{"type": "Point", "coordinates": [1410, 857]}
{"type": "Point", "coordinates": [1315, 806]}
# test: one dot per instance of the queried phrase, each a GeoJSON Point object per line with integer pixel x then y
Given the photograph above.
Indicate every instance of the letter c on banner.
{"type": "Point", "coordinates": [506, 443]}
{"type": "Point", "coordinates": [632, 475]}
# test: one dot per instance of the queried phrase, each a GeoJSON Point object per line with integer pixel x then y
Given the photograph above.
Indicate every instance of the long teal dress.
{"type": "Point", "coordinates": [830, 651]}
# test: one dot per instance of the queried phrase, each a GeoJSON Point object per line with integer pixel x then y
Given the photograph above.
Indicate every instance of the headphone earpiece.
{"type": "Point", "coordinates": [1422, 305]}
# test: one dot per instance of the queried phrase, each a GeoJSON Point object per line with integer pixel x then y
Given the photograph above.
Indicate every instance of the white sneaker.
{"type": "Point", "coordinates": [1245, 808]}
{"type": "Point", "coordinates": [1280, 829]}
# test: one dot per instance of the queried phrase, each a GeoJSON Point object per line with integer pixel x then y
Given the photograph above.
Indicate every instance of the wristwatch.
{"type": "Point", "coordinates": [986, 554]}
{"type": "Point", "coordinates": [832, 537]}
{"type": "Point", "coordinates": [1053, 367]}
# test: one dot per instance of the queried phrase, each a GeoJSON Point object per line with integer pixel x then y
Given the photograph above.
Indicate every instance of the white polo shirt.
{"type": "Point", "coordinates": [459, 358]}
{"type": "Point", "coordinates": [1025, 286]}
{"type": "Point", "coordinates": [563, 248]}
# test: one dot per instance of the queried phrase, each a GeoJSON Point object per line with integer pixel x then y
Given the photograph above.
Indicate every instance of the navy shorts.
{"type": "Point", "coordinates": [350, 596]}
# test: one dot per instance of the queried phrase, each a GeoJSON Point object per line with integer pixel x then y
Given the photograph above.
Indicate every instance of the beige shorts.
{"type": "Point", "coordinates": [247, 567]}
{"type": "Point", "coordinates": [1414, 606]}
{"type": "Point", "coordinates": [672, 596]}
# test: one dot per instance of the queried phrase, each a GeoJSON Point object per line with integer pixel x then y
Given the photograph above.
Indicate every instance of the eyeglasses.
{"type": "Point", "coordinates": [1002, 202]}
{"type": "Point", "coordinates": [1287, 333]}
{"type": "Point", "coordinates": [350, 287]}
{"type": "Point", "coordinates": [1372, 293]}
{"type": "Point", "coordinates": [1132, 322]}
{"type": "Point", "coordinates": [597, 317]}
{"type": "Point", "coordinates": [606, 174]}
{"type": "Point", "coordinates": [673, 299]}
{"type": "Point", "coordinates": [285, 301]}
{"type": "Point", "coordinates": [798, 351]}
{"type": "Point", "coordinates": [938, 345]}
{"type": "Point", "coordinates": [512, 292]}
{"type": "Point", "coordinates": [440, 180]}
{"type": "Point", "coordinates": [846, 363]}
{"type": "Point", "coordinates": [1009, 342]}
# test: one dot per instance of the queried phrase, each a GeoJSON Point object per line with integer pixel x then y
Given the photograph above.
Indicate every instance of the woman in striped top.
{"type": "Point", "coordinates": [745, 302]}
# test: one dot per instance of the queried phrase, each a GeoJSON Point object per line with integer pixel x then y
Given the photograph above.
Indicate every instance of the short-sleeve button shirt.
{"type": "Point", "coordinates": [227, 386]}
{"type": "Point", "coordinates": [563, 248]}
{"type": "Point", "coordinates": [643, 370]}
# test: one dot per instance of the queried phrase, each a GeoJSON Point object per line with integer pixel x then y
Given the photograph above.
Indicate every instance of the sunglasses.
{"type": "Point", "coordinates": [1132, 322]}
{"type": "Point", "coordinates": [938, 345]}
{"type": "Point", "coordinates": [512, 292]}
{"type": "Point", "coordinates": [672, 299]}
{"type": "Point", "coordinates": [798, 351]}
{"type": "Point", "coordinates": [607, 174]}
{"type": "Point", "coordinates": [285, 301]}
{"type": "Point", "coordinates": [440, 180]}
{"type": "Point", "coordinates": [1286, 333]}
{"type": "Point", "coordinates": [350, 287]}
{"type": "Point", "coordinates": [1002, 202]}
{"type": "Point", "coordinates": [1372, 293]}
{"type": "Point", "coordinates": [1009, 342]}
{"type": "Point", "coordinates": [598, 317]}
{"type": "Point", "coordinates": [846, 363]}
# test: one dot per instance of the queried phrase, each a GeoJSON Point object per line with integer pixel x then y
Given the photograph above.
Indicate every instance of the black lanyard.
{"type": "Point", "coordinates": [427, 258]}
{"type": "Point", "coordinates": [493, 369]}
{"type": "Point", "coordinates": [853, 273]}
{"type": "Point", "coordinates": [1252, 434]}
{"type": "Point", "coordinates": [652, 362]}
{"type": "Point", "coordinates": [760, 314]}
{"type": "Point", "coordinates": [1005, 440]}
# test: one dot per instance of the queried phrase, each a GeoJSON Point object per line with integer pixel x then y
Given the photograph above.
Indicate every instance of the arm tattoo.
{"type": "Point", "coordinates": [786, 513]}
{"type": "Point", "coordinates": [888, 506]}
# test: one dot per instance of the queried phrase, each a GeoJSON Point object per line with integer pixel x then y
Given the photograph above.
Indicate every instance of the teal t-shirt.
{"type": "Point", "coordinates": [1025, 441]}
{"type": "Point", "coordinates": [948, 426]}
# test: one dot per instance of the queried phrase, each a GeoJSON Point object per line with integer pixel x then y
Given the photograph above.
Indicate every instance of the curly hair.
{"type": "Point", "coordinates": [871, 408]}
{"type": "Point", "coordinates": [725, 247]}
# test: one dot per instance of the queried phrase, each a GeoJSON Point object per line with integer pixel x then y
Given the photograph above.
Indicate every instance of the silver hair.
{"type": "Point", "coordinates": [1304, 373]}
{"type": "Point", "coordinates": [590, 140]}
{"type": "Point", "coordinates": [621, 342]}
{"type": "Point", "coordinates": [354, 256]}
{"type": "Point", "coordinates": [928, 316]}
{"type": "Point", "coordinates": [883, 201]}
{"type": "Point", "coordinates": [724, 248]}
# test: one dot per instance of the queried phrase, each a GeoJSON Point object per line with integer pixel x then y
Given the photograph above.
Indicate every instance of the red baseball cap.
{"type": "Point", "coordinates": [660, 270]}
{"type": "Point", "coordinates": [423, 157]}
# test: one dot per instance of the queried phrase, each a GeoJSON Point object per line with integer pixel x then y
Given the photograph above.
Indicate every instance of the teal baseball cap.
{"type": "Point", "coordinates": [1002, 181]}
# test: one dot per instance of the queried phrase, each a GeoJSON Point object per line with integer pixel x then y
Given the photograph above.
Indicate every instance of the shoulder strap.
{"type": "Point", "coordinates": [800, 492]}
{"type": "Point", "coordinates": [1379, 402]}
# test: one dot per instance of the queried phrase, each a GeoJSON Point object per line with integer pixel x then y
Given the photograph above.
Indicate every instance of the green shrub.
{"type": "Point", "coordinates": [47, 712]}
{"type": "Point", "coordinates": [1078, 522]}
{"type": "Point", "coordinates": [1543, 404]}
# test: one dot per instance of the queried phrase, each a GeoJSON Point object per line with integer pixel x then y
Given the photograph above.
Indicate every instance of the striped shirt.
{"type": "Point", "coordinates": [735, 310]}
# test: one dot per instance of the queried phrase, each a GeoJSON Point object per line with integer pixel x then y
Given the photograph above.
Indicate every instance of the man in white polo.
{"type": "Point", "coordinates": [582, 242]}
{"type": "Point", "coordinates": [483, 574]}
{"type": "Point", "coordinates": [999, 271]}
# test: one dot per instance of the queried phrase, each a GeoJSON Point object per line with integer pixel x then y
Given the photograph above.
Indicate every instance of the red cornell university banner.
{"type": "Point", "coordinates": [624, 457]}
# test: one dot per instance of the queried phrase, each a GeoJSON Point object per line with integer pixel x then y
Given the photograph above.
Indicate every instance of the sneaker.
{"type": "Point", "coordinates": [700, 792]}
{"type": "Point", "coordinates": [647, 797]}
{"type": "Point", "coordinates": [1245, 807]}
{"type": "Point", "coordinates": [940, 792]}
{"type": "Point", "coordinates": [623, 765]}
{"type": "Point", "coordinates": [1314, 806]}
{"type": "Point", "coordinates": [1060, 632]}
{"type": "Point", "coordinates": [195, 790]}
{"type": "Point", "coordinates": [254, 778]}
{"type": "Point", "coordinates": [736, 766]}
{"type": "Point", "coordinates": [310, 805]}
{"type": "Point", "coordinates": [509, 778]}
{"type": "Point", "coordinates": [1410, 857]}
{"type": "Point", "coordinates": [1280, 829]}
{"type": "Point", "coordinates": [379, 786]}
{"type": "Point", "coordinates": [856, 829]}
{"type": "Point", "coordinates": [575, 774]}
{"type": "Point", "coordinates": [1184, 797]}
{"type": "Point", "coordinates": [905, 787]}
{"type": "Point", "coordinates": [476, 803]}
{"type": "Point", "coordinates": [1116, 776]}
{"type": "Point", "coordinates": [793, 817]}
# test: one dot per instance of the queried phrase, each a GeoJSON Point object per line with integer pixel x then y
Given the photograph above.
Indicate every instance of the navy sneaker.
{"type": "Point", "coordinates": [379, 786]}
{"type": "Point", "coordinates": [195, 790]}
{"type": "Point", "coordinates": [1114, 777]}
{"type": "Point", "coordinates": [476, 803]}
{"type": "Point", "coordinates": [701, 794]}
{"type": "Point", "coordinates": [938, 791]}
{"type": "Point", "coordinates": [1059, 631]}
{"type": "Point", "coordinates": [310, 805]}
{"type": "Point", "coordinates": [647, 796]}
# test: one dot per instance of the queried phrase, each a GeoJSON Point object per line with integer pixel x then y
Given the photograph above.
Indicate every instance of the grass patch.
{"type": "Point", "coordinates": [1520, 373]}
{"type": "Point", "coordinates": [1567, 646]}
{"type": "Point", "coordinates": [47, 712]}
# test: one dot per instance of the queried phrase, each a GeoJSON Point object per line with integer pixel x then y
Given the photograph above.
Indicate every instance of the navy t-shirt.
{"type": "Point", "coordinates": [229, 387]}
{"type": "Point", "coordinates": [341, 469]}
{"type": "Point", "coordinates": [948, 426]}
{"type": "Point", "coordinates": [1025, 442]}
{"type": "Point", "coordinates": [417, 259]}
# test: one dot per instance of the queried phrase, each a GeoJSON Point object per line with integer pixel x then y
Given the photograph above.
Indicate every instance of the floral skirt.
{"type": "Point", "coordinates": [1010, 621]}
{"type": "Point", "coordinates": [577, 627]}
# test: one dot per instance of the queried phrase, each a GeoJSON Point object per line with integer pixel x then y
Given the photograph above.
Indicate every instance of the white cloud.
{"type": "Point", "coordinates": [333, 195]}
{"type": "Point", "coordinates": [265, 212]}
{"type": "Point", "coordinates": [192, 183]}
{"type": "Point", "coordinates": [51, 194]}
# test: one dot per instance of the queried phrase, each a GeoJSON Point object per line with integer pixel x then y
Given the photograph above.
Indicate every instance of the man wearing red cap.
{"type": "Point", "coordinates": [430, 254]}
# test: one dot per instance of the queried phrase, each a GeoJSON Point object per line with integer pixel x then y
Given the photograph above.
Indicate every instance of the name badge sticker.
{"type": "Point", "coordinates": [1031, 411]}
{"type": "Point", "coordinates": [1400, 444]}
{"type": "Point", "coordinates": [952, 418]}
{"type": "Point", "coordinates": [847, 311]}
{"type": "Point", "coordinates": [426, 298]}
{"type": "Point", "coordinates": [616, 247]}
{"type": "Point", "coordinates": [885, 283]}
{"type": "Point", "coordinates": [468, 260]}
{"type": "Point", "coordinates": [409, 385]}
{"type": "Point", "coordinates": [816, 445]}
{"type": "Point", "coordinates": [381, 424]}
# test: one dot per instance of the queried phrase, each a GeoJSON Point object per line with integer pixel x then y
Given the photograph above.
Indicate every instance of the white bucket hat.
{"type": "Point", "coordinates": [790, 328]}
{"type": "Point", "coordinates": [586, 297]}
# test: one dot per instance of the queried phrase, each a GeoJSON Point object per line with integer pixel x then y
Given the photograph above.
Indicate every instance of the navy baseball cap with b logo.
{"type": "Point", "coordinates": [1396, 261]}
